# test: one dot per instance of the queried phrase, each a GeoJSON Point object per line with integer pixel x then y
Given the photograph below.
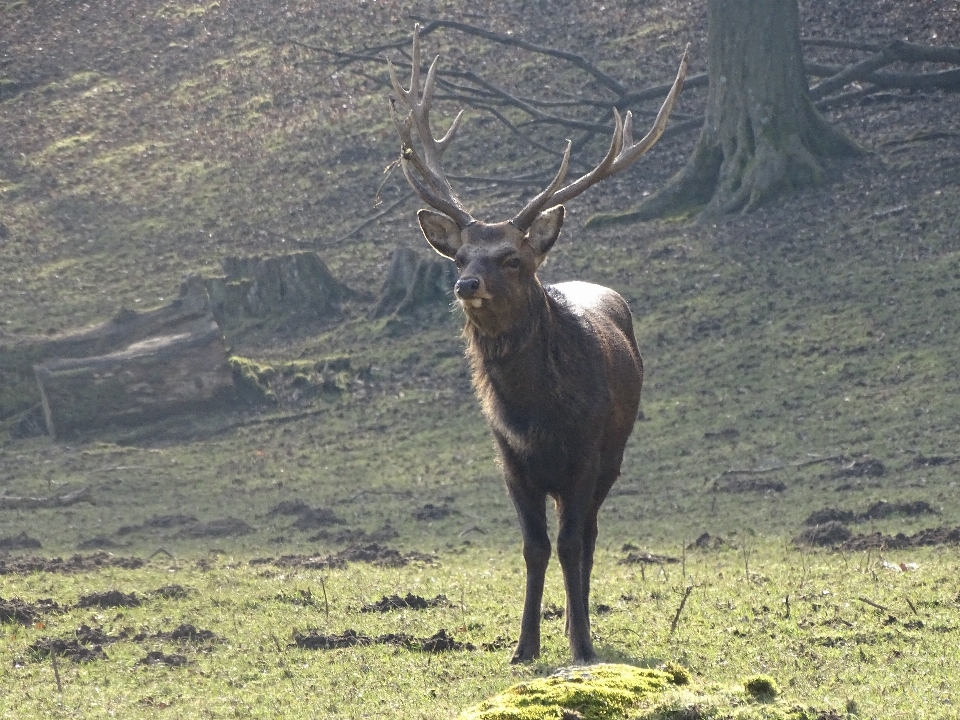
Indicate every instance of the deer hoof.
{"type": "Point", "coordinates": [524, 653]}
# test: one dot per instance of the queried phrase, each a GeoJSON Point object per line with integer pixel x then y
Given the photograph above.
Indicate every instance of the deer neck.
{"type": "Point", "coordinates": [516, 360]}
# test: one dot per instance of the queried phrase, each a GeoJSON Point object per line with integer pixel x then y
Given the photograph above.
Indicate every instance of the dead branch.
{"type": "Point", "coordinates": [52, 501]}
{"type": "Point", "coordinates": [944, 80]}
{"type": "Point", "coordinates": [852, 73]}
{"type": "Point", "coordinates": [842, 44]}
{"type": "Point", "coordinates": [373, 218]}
{"type": "Point", "coordinates": [683, 601]}
{"type": "Point", "coordinates": [878, 606]}
{"type": "Point", "coordinates": [782, 466]}
{"type": "Point", "coordinates": [866, 70]}
{"type": "Point", "coordinates": [574, 59]}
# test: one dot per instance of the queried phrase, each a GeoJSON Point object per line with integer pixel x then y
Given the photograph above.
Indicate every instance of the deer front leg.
{"type": "Point", "coordinates": [531, 510]}
{"type": "Point", "coordinates": [570, 548]}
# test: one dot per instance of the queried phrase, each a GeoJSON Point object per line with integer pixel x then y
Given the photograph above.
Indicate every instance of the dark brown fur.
{"type": "Point", "coordinates": [556, 369]}
{"type": "Point", "coordinates": [558, 374]}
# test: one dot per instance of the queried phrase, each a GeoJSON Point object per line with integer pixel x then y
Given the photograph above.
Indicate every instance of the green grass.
{"type": "Point", "coordinates": [799, 618]}
{"type": "Point", "coordinates": [823, 325]}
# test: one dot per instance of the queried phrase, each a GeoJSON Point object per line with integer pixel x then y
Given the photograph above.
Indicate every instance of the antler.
{"type": "Point", "coordinates": [622, 154]}
{"type": "Point", "coordinates": [425, 174]}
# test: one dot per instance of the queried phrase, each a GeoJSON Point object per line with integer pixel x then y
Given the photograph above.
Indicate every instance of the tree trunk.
{"type": "Point", "coordinates": [762, 134]}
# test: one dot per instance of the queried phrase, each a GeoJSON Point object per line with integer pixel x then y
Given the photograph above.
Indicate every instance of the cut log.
{"type": "Point", "coordinates": [19, 353]}
{"type": "Point", "coordinates": [159, 376]}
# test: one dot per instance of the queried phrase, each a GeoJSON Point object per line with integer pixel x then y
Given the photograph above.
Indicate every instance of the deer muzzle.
{"type": "Point", "coordinates": [470, 291]}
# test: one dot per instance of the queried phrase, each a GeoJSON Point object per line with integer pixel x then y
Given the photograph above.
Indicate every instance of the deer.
{"type": "Point", "coordinates": [556, 368]}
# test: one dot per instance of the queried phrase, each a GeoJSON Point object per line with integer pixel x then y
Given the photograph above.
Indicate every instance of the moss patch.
{"type": "Point", "coordinates": [597, 692]}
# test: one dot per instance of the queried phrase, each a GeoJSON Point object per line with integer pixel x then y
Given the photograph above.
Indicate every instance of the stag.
{"type": "Point", "coordinates": [556, 368]}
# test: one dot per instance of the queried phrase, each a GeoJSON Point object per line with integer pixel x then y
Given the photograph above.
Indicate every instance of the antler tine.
{"type": "Point", "coordinates": [425, 174]}
{"type": "Point", "coordinates": [523, 219]}
{"type": "Point", "coordinates": [623, 150]}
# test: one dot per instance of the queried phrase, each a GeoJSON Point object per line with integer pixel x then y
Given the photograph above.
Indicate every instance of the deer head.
{"type": "Point", "coordinates": [497, 261]}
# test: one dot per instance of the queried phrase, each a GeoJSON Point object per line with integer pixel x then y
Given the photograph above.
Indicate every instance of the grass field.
{"type": "Point", "coordinates": [788, 505]}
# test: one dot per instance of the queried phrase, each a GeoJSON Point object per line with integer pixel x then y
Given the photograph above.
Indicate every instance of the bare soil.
{"type": "Point", "coordinates": [407, 602]}
{"type": "Point", "coordinates": [75, 563]}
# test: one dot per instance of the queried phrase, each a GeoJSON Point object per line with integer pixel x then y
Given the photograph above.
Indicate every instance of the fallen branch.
{"type": "Point", "coordinates": [783, 466]}
{"type": "Point", "coordinates": [878, 606]}
{"type": "Point", "coordinates": [53, 501]}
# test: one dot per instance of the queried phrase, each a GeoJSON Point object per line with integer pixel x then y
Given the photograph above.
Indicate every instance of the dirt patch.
{"type": "Point", "coordinates": [371, 553]}
{"type": "Point", "coordinates": [728, 434]}
{"type": "Point", "coordinates": [26, 613]}
{"type": "Point", "coordinates": [308, 562]}
{"type": "Point", "coordinates": [314, 518]}
{"type": "Point", "coordinates": [922, 461]}
{"type": "Point", "coordinates": [864, 467]}
{"type": "Point", "coordinates": [155, 657]}
{"type": "Point", "coordinates": [158, 522]}
{"type": "Point", "coordinates": [87, 635]}
{"type": "Point", "coordinates": [76, 563]}
{"type": "Point", "coordinates": [925, 538]}
{"type": "Point", "coordinates": [878, 511]}
{"type": "Point", "coordinates": [828, 515]}
{"type": "Point", "coordinates": [22, 541]}
{"type": "Point", "coordinates": [552, 612]}
{"type": "Point", "coordinates": [706, 541]}
{"type": "Point", "coordinates": [288, 507]}
{"type": "Point", "coordinates": [745, 485]}
{"type": "Point", "coordinates": [99, 542]}
{"type": "Point", "coordinates": [433, 512]}
{"type": "Point", "coordinates": [647, 558]}
{"type": "Point", "coordinates": [381, 555]}
{"type": "Point", "coordinates": [356, 536]}
{"type": "Point", "coordinates": [109, 599]}
{"type": "Point", "coordinates": [182, 633]}
{"type": "Point", "coordinates": [70, 649]}
{"type": "Point", "coordinates": [409, 602]}
{"type": "Point", "coordinates": [883, 509]}
{"type": "Point", "coordinates": [172, 592]}
{"type": "Point", "coordinates": [830, 533]}
{"type": "Point", "coordinates": [441, 641]}
{"type": "Point", "coordinates": [221, 528]}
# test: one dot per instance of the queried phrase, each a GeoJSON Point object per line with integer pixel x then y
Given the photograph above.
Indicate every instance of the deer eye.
{"type": "Point", "coordinates": [512, 262]}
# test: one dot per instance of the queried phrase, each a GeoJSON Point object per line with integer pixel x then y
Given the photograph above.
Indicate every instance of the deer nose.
{"type": "Point", "coordinates": [467, 286]}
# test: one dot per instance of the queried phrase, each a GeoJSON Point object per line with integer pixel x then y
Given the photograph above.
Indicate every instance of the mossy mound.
{"type": "Point", "coordinates": [595, 692]}
{"type": "Point", "coordinates": [624, 692]}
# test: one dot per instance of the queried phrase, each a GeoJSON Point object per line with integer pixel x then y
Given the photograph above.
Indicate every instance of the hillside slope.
{"type": "Point", "coordinates": [143, 141]}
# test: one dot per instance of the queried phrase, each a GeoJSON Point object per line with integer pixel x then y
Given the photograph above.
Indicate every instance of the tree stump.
{"type": "Point", "coordinates": [152, 378]}
{"type": "Point", "coordinates": [415, 282]}
{"type": "Point", "coordinates": [289, 289]}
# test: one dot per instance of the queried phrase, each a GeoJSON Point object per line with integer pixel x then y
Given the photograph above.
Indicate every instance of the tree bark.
{"type": "Point", "coordinates": [762, 135]}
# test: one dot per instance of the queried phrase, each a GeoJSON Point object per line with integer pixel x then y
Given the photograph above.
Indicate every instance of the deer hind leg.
{"type": "Point", "coordinates": [531, 510]}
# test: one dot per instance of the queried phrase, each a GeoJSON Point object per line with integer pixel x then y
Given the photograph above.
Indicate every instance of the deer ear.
{"type": "Point", "coordinates": [441, 232]}
{"type": "Point", "coordinates": [544, 231]}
